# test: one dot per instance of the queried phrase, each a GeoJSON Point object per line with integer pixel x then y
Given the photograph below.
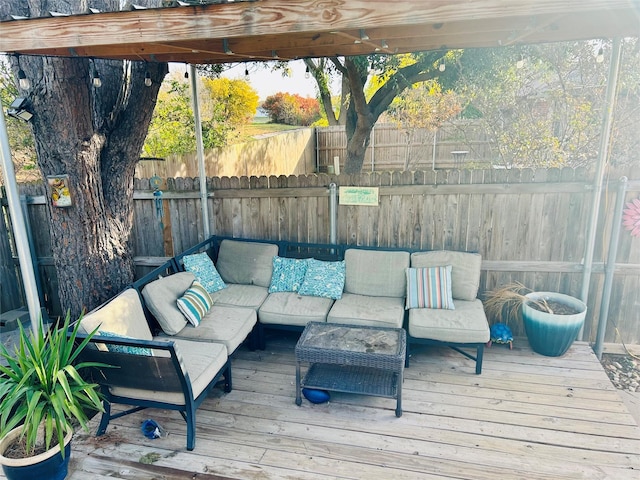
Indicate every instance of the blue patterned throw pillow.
{"type": "Point", "coordinates": [323, 279]}
{"type": "Point", "coordinates": [205, 272]}
{"type": "Point", "coordinates": [147, 352]}
{"type": "Point", "coordinates": [429, 287]}
{"type": "Point", "coordinates": [288, 274]}
{"type": "Point", "coordinates": [195, 303]}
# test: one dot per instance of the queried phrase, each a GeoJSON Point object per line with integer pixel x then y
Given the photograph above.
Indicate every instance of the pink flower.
{"type": "Point", "coordinates": [631, 217]}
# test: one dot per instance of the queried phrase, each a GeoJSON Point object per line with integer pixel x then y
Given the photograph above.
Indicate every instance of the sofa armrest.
{"type": "Point", "coordinates": [164, 370]}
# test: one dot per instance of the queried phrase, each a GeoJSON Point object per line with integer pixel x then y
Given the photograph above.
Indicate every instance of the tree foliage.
{"type": "Point", "coordinates": [20, 135]}
{"type": "Point", "coordinates": [292, 109]}
{"type": "Point", "coordinates": [542, 105]}
{"type": "Point", "coordinates": [226, 105]}
{"type": "Point", "coordinates": [172, 129]}
{"type": "Point", "coordinates": [423, 107]}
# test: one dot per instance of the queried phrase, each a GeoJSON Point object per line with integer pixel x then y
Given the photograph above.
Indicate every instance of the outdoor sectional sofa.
{"type": "Point", "coordinates": [182, 322]}
{"type": "Point", "coordinates": [374, 291]}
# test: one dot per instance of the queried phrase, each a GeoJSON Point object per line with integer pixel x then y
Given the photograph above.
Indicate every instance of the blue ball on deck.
{"type": "Point", "coordinates": [501, 333]}
{"type": "Point", "coordinates": [316, 396]}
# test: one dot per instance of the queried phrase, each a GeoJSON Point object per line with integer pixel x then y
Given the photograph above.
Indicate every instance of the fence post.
{"type": "Point", "coordinates": [333, 213]}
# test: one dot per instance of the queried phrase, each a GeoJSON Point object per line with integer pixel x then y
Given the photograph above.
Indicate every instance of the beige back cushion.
{"type": "Point", "coordinates": [376, 272]}
{"type": "Point", "coordinates": [161, 297]}
{"type": "Point", "coordinates": [123, 316]}
{"type": "Point", "coordinates": [247, 263]}
{"type": "Point", "coordinates": [465, 270]}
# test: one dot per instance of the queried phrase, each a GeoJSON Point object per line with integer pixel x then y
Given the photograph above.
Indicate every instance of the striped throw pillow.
{"type": "Point", "coordinates": [195, 303]}
{"type": "Point", "coordinates": [429, 287]}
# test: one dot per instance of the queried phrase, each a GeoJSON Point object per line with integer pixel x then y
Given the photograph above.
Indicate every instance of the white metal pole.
{"type": "Point", "coordinates": [605, 139]}
{"type": "Point", "coordinates": [202, 173]}
{"type": "Point", "coordinates": [19, 228]}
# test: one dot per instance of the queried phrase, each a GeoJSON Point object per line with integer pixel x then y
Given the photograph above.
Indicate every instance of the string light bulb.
{"type": "Point", "coordinates": [97, 81]}
{"type": "Point", "coordinates": [23, 81]}
{"type": "Point", "coordinates": [600, 55]}
{"type": "Point", "coordinates": [442, 67]}
{"type": "Point", "coordinates": [246, 75]}
{"type": "Point", "coordinates": [520, 62]}
{"type": "Point", "coordinates": [307, 74]}
{"type": "Point", "coordinates": [147, 79]}
{"type": "Point", "coordinates": [186, 71]}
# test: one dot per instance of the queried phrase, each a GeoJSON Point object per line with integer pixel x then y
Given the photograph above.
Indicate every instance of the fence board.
{"type": "Point", "coordinates": [529, 225]}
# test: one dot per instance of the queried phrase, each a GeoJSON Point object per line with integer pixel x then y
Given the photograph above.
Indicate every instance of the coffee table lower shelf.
{"type": "Point", "coordinates": [352, 379]}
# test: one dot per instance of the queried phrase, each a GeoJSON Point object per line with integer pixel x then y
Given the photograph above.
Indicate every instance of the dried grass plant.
{"type": "Point", "coordinates": [505, 302]}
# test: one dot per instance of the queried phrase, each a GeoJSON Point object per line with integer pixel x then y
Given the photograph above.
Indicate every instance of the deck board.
{"type": "Point", "coordinates": [526, 416]}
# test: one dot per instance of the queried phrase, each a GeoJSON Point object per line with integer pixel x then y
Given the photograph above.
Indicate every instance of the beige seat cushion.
{"type": "Point", "coordinates": [466, 324]}
{"type": "Point", "coordinates": [376, 273]}
{"type": "Point", "coordinates": [228, 326]}
{"type": "Point", "coordinates": [289, 308]}
{"type": "Point", "coordinates": [123, 315]}
{"type": "Point", "coordinates": [465, 270]}
{"type": "Point", "coordinates": [236, 295]}
{"type": "Point", "coordinates": [202, 361]}
{"type": "Point", "coordinates": [161, 297]}
{"type": "Point", "coordinates": [248, 263]}
{"type": "Point", "coordinates": [369, 311]}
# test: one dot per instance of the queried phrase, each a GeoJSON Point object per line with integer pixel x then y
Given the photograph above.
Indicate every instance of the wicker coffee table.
{"type": "Point", "coordinates": [352, 359]}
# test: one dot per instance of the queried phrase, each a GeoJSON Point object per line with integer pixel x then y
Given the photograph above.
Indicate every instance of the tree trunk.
{"type": "Point", "coordinates": [94, 136]}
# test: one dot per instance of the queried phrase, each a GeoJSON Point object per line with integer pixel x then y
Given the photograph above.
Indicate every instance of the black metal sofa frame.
{"type": "Point", "coordinates": [163, 374]}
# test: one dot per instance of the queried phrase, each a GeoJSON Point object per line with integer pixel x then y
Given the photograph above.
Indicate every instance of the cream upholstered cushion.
{"type": "Point", "coordinates": [236, 295]}
{"type": "Point", "coordinates": [123, 315]}
{"type": "Point", "coordinates": [290, 308]}
{"type": "Point", "coordinates": [369, 311]}
{"type": "Point", "coordinates": [202, 361]}
{"type": "Point", "coordinates": [161, 297]}
{"type": "Point", "coordinates": [465, 270]}
{"type": "Point", "coordinates": [228, 326]}
{"type": "Point", "coordinates": [248, 263]}
{"type": "Point", "coordinates": [377, 273]}
{"type": "Point", "coordinates": [466, 324]}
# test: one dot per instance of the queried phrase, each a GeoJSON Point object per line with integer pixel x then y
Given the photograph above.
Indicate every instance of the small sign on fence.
{"type": "Point", "coordinates": [359, 196]}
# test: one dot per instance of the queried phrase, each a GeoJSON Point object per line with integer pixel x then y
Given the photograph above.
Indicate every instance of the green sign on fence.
{"type": "Point", "coordinates": [359, 196]}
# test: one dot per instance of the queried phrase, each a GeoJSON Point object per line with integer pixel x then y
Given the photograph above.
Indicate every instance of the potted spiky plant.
{"type": "Point", "coordinates": [551, 320]}
{"type": "Point", "coordinates": [42, 397]}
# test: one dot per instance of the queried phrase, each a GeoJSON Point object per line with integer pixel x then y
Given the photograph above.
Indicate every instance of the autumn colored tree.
{"type": "Point", "coordinates": [227, 105]}
{"type": "Point", "coordinates": [292, 109]}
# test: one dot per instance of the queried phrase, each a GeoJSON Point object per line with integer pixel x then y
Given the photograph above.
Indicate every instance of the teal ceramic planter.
{"type": "Point", "coordinates": [552, 334]}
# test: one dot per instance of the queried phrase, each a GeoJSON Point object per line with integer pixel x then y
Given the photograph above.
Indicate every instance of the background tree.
{"type": "Point", "coordinates": [322, 70]}
{"type": "Point", "coordinates": [95, 136]}
{"type": "Point", "coordinates": [227, 106]}
{"type": "Point", "coordinates": [396, 74]}
{"type": "Point", "coordinates": [542, 105]}
{"type": "Point", "coordinates": [172, 129]}
{"type": "Point", "coordinates": [291, 109]}
{"type": "Point", "coordinates": [423, 108]}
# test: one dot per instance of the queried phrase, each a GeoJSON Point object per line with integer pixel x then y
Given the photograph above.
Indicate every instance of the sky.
{"type": "Point", "coordinates": [266, 82]}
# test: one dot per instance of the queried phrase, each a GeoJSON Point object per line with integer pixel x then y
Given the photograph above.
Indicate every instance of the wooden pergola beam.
{"type": "Point", "coordinates": [260, 30]}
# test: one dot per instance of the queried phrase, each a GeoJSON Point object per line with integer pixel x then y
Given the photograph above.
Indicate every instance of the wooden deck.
{"type": "Point", "coordinates": [527, 416]}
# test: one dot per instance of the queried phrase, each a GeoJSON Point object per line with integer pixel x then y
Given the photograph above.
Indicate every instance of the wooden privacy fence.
{"type": "Point", "coordinates": [529, 226]}
{"type": "Point", "coordinates": [393, 148]}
